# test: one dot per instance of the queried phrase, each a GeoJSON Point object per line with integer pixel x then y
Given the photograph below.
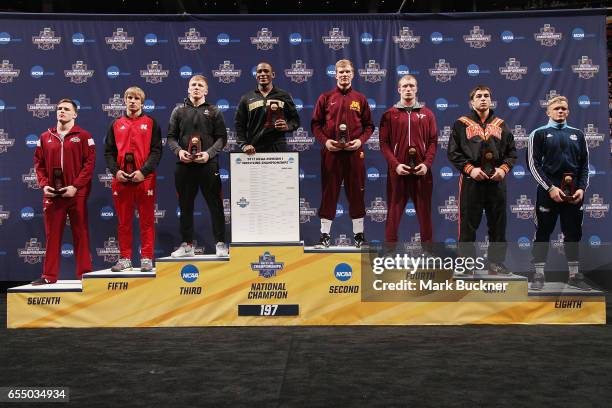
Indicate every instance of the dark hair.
{"type": "Point", "coordinates": [479, 88]}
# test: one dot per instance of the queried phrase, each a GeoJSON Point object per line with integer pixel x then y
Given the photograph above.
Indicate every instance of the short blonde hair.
{"type": "Point", "coordinates": [134, 90]}
{"type": "Point", "coordinates": [406, 77]}
{"type": "Point", "coordinates": [199, 78]}
{"type": "Point", "coordinates": [557, 99]}
{"type": "Point", "coordinates": [344, 62]}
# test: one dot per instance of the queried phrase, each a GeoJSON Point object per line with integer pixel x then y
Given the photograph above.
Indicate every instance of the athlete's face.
{"type": "Point", "coordinates": [558, 111]}
{"type": "Point", "coordinates": [133, 103]}
{"type": "Point", "coordinates": [344, 76]}
{"type": "Point", "coordinates": [407, 89]}
{"type": "Point", "coordinates": [197, 89]}
{"type": "Point", "coordinates": [481, 101]}
{"type": "Point", "coordinates": [65, 112]}
{"type": "Point", "coordinates": [264, 74]}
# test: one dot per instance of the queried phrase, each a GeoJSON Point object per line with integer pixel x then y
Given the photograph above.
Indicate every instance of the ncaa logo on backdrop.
{"type": "Point", "coordinates": [41, 107]}
{"type": "Point", "coordinates": [366, 38]}
{"type": "Point", "coordinates": [5, 38]}
{"type": "Point", "coordinates": [113, 72]}
{"type": "Point", "coordinates": [107, 213]}
{"type": "Point", "coordinates": [518, 171]}
{"type": "Point", "coordinates": [336, 39]}
{"type": "Point", "coordinates": [523, 243]}
{"type": "Point", "coordinates": [46, 40]}
{"type": "Point", "coordinates": [67, 250]}
{"type": "Point", "coordinates": [377, 211]}
{"type": "Point", "coordinates": [477, 38]}
{"type": "Point", "coordinates": [185, 72]}
{"type": "Point", "coordinates": [299, 72]}
{"type": "Point", "coordinates": [264, 40]}
{"type": "Point", "coordinates": [513, 102]}
{"type": "Point", "coordinates": [7, 72]}
{"type": "Point", "coordinates": [372, 72]}
{"type": "Point", "coordinates": [190, 273]}
{"type": "Point", "coordinates": [223, 105]}
{"type": "Point", "coordinates": [154, 74]}
{"type": "Point", "coordinates": [594, 241]}
{"type": "Point", "coordinates": [523, 208]}
{"type": "Point", "coordinates": [406, 39]}
{"type": "Point", "coordinates": [450, 209]}
{"type": "Point", "coordinates": [507, 36]}
{"type": "Point", "coordinates": [372, 103]}
{"type": "Point", "coordinates": [4, 215]}
{"type": "Point", "coordinates": [547, 36]}
{"type": "Point", "coordinates": [27, 213]}
{"type": "Point", "coordinates": [295, 39]}
{"type": "Point", "coordinates": [79, 39]}
{"type": "Point", "coordinates": [520, 136]}
{"type": "Point", "coordinates": [339, 210]}
{"type": "Point", "coordinates": [226, 73]}
{"type": "Point", "coordinates": [578, 34]}
{"type": "Point", "coordinates": [5, 142]}
{"type": "Point", "coordinates": [546, 68]}
{"type": "Point", "coordinates": [37, 71]}
{"type": "Point", "coordinates": [31, 141]}
{"type": "Point", "coordinates": [192, 40]}
{"type": "Point", "coordinates": [591, 134]}
{"type": "Point", "coordinates": [331, 71]}
{"type": "Point", "coordinates": [438, 38]}
{"type": "Point", "coordinates": [513, 70]}
{"type": "Point", "coordinates": [30, 179]}
{"type": "Point", "coordinates": [343, 272]}
{"type": "Point", "coordinates": [442, 71]}
{"type": "Point", "coordinates": [110, 252]}
{"type": "Point", "coordinates": [224, 39]}
{"type": "Point", "coordinates": [402, 70]}
{"type": "Point", "coordinates": [79, 74]}
{"type": "Point", "coordinates": [410, 211]}
{"type": "Point", "coordinates": [584, 101]}
{"type": "Point", "coordinates": [119, 40]}
{"type": "Point", "coordinates": [115, 106]}
{"type": "Point", "coordinates": [224, 175]}
{"type": "Point", "coordinates": [306, 211]}
{"type": "Point", "coordinates": [446, 173]}
{"type": "Point", "coordinates": [373, 142]}
{"type": "Point", "coordinates": [33, 252]}
{"type": "Point", "coordinates": [585, 68]}
{"type": "Point", "coordinates": [596, 207]}
{"type": "Point", "coordinates": [372, 174]}
{"type": "Point", "coordinates": [299, 140]}
{"type": "Point", "coordinates": [444, 136]}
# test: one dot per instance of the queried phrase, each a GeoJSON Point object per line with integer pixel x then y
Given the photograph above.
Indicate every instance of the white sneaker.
{"type": "Point", "coordinates": [122, 265]}
{"type": "Point", "coordinates": [221, 249]}
{"type": "Point", "coordinates": [185, 250]}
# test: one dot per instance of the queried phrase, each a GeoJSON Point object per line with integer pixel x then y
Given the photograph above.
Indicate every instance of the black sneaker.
{"type": "Point", "coordinates": [498, 269]}
{"type": "Point", "coordinates": [359, 240]}
{"type": "Point", "coordinates": [538, 282]}
{"type": "Point", "coordinates": [578, 282]}
{"type": "Point", "coordinates": [41, 281]}
{"type": "Point", "coordinates": [324, 241]}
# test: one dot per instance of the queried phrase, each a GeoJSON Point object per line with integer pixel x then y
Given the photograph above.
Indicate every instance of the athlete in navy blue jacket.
{"type": "Point", "coordinates": [557, 152]}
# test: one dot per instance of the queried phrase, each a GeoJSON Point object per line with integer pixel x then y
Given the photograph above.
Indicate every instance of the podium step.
{"type": "Point", "coordinates": [59, 286]}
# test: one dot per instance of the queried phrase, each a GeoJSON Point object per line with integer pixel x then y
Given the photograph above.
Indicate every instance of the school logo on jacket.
{"type": "Point", "coordinates": [377, 211]}
{"type": "Point", "coordinates": [591, 135]}
{"type": "Point", "coordinates": [450, 209]}
{"type": "Point", "coordinates": [372, 72]}
{"type": "Point", "coordinates": [477, 38]}
{"type": "Point", "coordinates": [7, 72]}
{"type": "Point", "coordinates": [33, 252]}
{"type": "Point", "coordinates": [5, 142]}
{"type": "Point", "coordinates": [115, 106]}
{"type": "Point", "coordinates": [513, 70]}
{"type": "Point", "coordinates": [154, 74]}
{"type": "Point", "coordinates": [547, 36]}
{"type": "Point", "coordinates": [226, 73]}
{"type": "Point", "coordinates": [299, 72]}
{"type": "Point", "coordinates": [299, 140]}
{"type": "Point", "coordinates": [192, 40]}
{"type": "Point", "coordinates": [264, 40]}
{"type": "Point", "coordinates": [406, 40]}
{"type": "Point", "coordinates": [336, 39]}
{"type": "Point", "coordinates": [596, 208]}
{"type": "Point", "coordinates": [585, 68]}
{"type": "Point", "coordinates": [41, 107]}
{"type": "Point", "coordinates": [46, 40]}
{"type": "Point", "coordinates": [110, 252]}
{"type": "Point", "coordinates": [521, 138]}
{"type": "Point", "coordinates": [79, 74]}
{"type": "Point", "coordinates": [523, 208]}
{"type": "Point", "coordinates": [119, 40]}
{"type": "Point", "coordinates": [442, 71]}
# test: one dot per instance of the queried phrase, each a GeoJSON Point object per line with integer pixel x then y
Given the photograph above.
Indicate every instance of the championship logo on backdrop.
{"type": "Point", "coordinates": [231, 141]}
{"type": "Point", "coordinates": [591, 134]}
{"type": "Point", "coordinates": [557, 244]}
{"type": "Point", "coordinates": [442, 71]}
{"type": "Point", "coordinates": [79, 73]}
{"type": "Point", "coordinates": [154, 74]}
{"type": "Point", "coordinates": [106, 178]}
{"type": "Point", "coordinates": [120, 40]}
{"type": "Point", "coordinates": [227, 210]}
{"type": "Point", "coordinates": [7, 73]}
{"type": "Point", "coordinates": [110, 253]}
{"type": "Point", "coordinates": [30, 179]}
{"type": "Point", "coordinates": [46, 40]}
{"type": "Point", "coordinates": [192, 40]}
{"type": "Point", "coordinates": [477, 38]}
{"type": "Point", "coordinates": [450, 209]}
{"type": "Point", "coordinates": [523, 208]}
{"type": "Point", "coordinates": [406, 39]}
{"type": "Point", "coordinates": [33, 252]}
{"type": "Point", "coordinates": [41, 107]}
{"type": "Point", "coordinates": [585, 68]}
{"type": "Point", "coordinates": [513, 70]}
{"type": "Point", "coordinates": [299, 140]}
{"type": "Point", "coordinates": [372, 72]}
{"type": "Point", "coordinates": [264, 40]}
{"type": "Point", "coordinates": [5, 142]}
{"type": "Point", "coordinates": [4, 215]}
{"type": "Point", "coordinates": [343, 241]}
{"type": "Point", "coordinates": [373, 142]}
{"type": "Point", "coordinates": [157, 213]}
{"type": "Point", "coordinates": [521, 138]}
{"type": "Point", "coordinates": [377, 211]}
{"type": "Point", "coordinates": [267, 267]}
{"type": "Point", "coordinates": [414, 244]}
{"type": "Point", "coordinates": [115, 106]}
{"type": "Point", "coordinates": [551, 94]}
{"type": "Point", "coordinates": [547, 36]}
{"type": "Point", "coordinates": [298, 72]}
{"type": "Point", "coordinates": [306, 211]}
{"type": "Point", "coordinates": [444, 136]}
{"type": "Point", "coordinates": [336, 39]}
{"type": "Point", "coordinates": [226, 73]}
{"type": "Point", "coordinates": [596, 207]}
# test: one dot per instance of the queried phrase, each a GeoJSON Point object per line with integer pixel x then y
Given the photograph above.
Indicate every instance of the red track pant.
{"type": "Point", "coordinates": [337, 167]}
{"type": "Point", "coordinates": [399, 190]}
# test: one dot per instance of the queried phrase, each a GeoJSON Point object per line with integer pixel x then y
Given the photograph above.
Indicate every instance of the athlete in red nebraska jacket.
{"type": "Point", "coordinates": [406, 124]}
{"type": "Point", "coordinates": [71, 149]}
{"type": "Point", "coordinates": [342, 105]}
{"type": "Point", "coordinates": [134, 185]}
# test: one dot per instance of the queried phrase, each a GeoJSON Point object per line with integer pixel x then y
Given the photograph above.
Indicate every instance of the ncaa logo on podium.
{"type": "Point", "coordinates": [343, 272]}
{"type": "Point", "coordinates": [190, 273]}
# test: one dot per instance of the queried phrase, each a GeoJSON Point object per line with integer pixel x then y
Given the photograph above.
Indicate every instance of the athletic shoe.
{"type": "Point", "coordinates": [578, 282]}
{"type": "Point", "coordinates": [122, 265]}
{"type": "Point", "coordinates": [221, 249]}
{"type": "Point", "coordinates": [324, 241]}
{"type": "Point", "coordinates": [146, 265]}
{"type": "Point", "coordinates": [538, 282]}
{"type": "Point", "coordinates": [359, 240]}
{"type": "Point", "coordinates": [498, 269]}
{"type": "Point", "coordinates": [41, 281]}
{"type": "Point", "coordinates": [464, 274]}
{"type": "Point", "coordinates": [185, 250]}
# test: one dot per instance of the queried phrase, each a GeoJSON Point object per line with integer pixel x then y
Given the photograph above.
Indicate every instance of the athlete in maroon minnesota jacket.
{"type": "Point", "coordinates": [64, 159]}
{"type": "Point", "coordinates": [408, 125]}
{"type": "Point", "coordinates": [342, 123]}
{"type": "Point", "coordinates": [132, 151]}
